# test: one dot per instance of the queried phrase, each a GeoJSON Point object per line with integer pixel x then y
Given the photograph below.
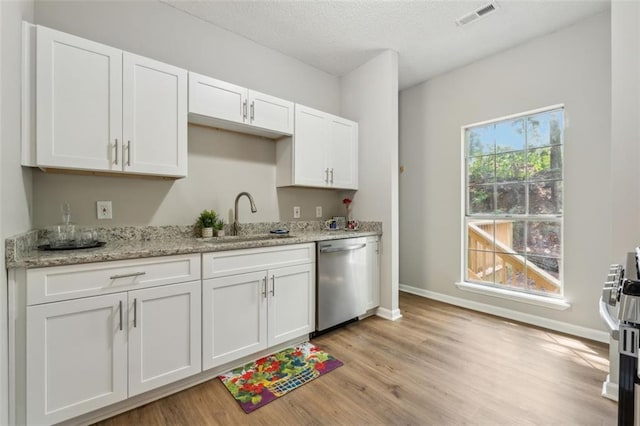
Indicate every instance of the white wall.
{"type": "Point", "coordinates": [221, 164]}
{"type": "Point", "coordinates": [370, 97]}
{"type": "Point", "coordinates": [571, 66]}
{"type": "Point", "coordinates": [625, 149]}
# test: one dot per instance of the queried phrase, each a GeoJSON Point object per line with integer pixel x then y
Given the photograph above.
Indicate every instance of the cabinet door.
{"type": "Point", "coordinates": [209, 97]}
{"type": "Point", "coordinates": [77, 357]}
{"type": "Point", "coordinates": [79, 102]}
{"type": "Point", "coordinates": [234, 317]}
{"type": "Point", "coordinates": [342, 153]}
{"type": "Point", "coordinates": [164, 335]}
{"type": "Point", "coordinates": [372, 293]}
{"type": "Point", "coordinates": [309, 147]}
{"type": "Point", "coordinates": [270, 112]}
{"type": "Point", "coordinates": [291, 302]}
{"type": "Point", "coordinates": [154, 117]}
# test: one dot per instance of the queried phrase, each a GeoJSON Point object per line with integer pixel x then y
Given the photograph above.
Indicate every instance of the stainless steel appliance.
{"type": "Point", "coordinates": [342, 269]}
{"type": "Point", "coordinates": [624, 294]}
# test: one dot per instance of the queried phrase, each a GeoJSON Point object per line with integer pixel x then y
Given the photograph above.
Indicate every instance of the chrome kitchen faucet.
{"type": "Point", "coordinates": [235, 210]}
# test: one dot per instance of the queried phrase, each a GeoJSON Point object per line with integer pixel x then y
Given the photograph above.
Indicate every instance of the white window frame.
{"type": "Point", "coordinates": [554, 301]}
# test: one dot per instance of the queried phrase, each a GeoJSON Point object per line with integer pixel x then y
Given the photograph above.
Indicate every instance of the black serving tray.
{"type": "Point", "coordinates": [72, 246]}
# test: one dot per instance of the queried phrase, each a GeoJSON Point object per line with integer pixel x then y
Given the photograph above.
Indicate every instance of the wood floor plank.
{"type": "Point", "coordinates": [437, 365]}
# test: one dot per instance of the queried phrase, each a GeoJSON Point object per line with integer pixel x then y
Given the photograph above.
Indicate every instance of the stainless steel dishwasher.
{"type": "Point", "coordinates": [342, 270]}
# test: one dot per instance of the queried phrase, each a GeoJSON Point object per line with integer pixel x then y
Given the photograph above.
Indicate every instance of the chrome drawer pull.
{"type": "Point", "coordinates": [135, 313]}
{"type": "Point", "coordinates": [121, 315]}
{"type": "Point", "coordinates": [135, 274]}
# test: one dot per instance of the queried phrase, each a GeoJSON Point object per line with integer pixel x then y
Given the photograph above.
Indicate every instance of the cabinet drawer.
{"type": "Point", "coordinates": [75, 281]}
{"type": "Point", "coordinates": [224, 263]}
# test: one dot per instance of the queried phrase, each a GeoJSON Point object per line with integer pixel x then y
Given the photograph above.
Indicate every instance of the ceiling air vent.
{"type": "Point", "coordinates": [476, 14]}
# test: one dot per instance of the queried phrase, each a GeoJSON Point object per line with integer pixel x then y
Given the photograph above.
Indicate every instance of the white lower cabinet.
{"type": "Point", "coordinates": [77, 357]}
{"type": "Point", "coordinates": [234, 318]}
{"type": "Point", "coordinates": [90, 352]}
{"type": "Point", "coordinates": [372, 291]}
{"type": "Point", "coordinates": [164, 335]}
{"type": "Point", "coordinates": [246, 312]}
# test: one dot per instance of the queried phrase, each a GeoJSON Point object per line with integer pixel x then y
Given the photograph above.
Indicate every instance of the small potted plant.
{"type": "Point", "coordinates": [219, 227]}
{"type": "Point", "coordinates": [206, 221]}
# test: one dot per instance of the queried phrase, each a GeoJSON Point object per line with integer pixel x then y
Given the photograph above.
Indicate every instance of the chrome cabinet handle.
{"type": "Point", "coordinates": [135, 313]}
{"type": "Point", "coordinates": [326, 175]}
{"type": "Point", "coordinates": [252, 110]}
{"type": "Point", "coordinates": [273, 285]}
{"type": "Point", "coordinates": [332, 175]}
{"type": "Point", "coordinates": [244, 110]}
{"type": "Point", "coordinates": [121, 315]}
{"type": "Point", "coordinates": [264, 287]}
{"type": "Point", "coordinates": [134, 274]}
{"type": "Point", "coordinates": [116, 159]}
{"type": "Point", "coordinates": [129, 153]}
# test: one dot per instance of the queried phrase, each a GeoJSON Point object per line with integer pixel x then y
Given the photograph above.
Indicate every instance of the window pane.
{"type": "Point", "coordinates": [511, 198]}
{"type": "Point", "coordinates": [510, 167]}
{"type": "Point", "coordinates": [509, 273]}
{"type": "Point", "coordinates": [543, 274]}
{"type": "Point", "coordinates": [556, 124]}
{"type": "Point", "coordinates": [510, 135]}
{"type": "Point", "coordinates": [510, 236]}
{"type": "Point", "coordinates": [481, 169]}
{"type": "Point", "coordinates": [480, 140]}
{"type": "Point", "coordinates": [480, 266]}
{"type": "Point", "coordinates": [543, 238]}
{"type": "Point", "coordinates": [480, 199]}
{"type": "Point", "coordinates": [544, 129]}
{"type": "Point", "coordinates": [480, 235]}
{"type": "Point", "coordinates": [544, 163]}
{"type": "Point", "coordinates": [545, 197]}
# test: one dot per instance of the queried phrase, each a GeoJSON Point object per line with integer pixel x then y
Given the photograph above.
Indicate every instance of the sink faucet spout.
{"type": "Point", "coordinates": [235, 210]}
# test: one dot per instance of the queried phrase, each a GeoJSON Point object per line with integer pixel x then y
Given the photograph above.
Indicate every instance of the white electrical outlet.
{"type": "Point", "coordinates": [104, 210]}
{"type": "Point", "coordinates": [319, 211]}
{"type": "Point", "coordinates": [296, 212]}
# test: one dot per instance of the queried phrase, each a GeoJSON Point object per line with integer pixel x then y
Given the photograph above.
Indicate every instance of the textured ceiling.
{"type": "Point", "coordinates": [338, 36]}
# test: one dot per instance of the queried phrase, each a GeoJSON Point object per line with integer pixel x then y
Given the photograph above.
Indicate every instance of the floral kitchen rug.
{"type": "Point", "coordinates": [260, 382]}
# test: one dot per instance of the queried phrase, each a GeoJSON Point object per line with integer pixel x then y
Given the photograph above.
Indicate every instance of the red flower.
{"type": "Point", "coordinates": [346, 201]}
{"type": "Point", "coordinates": [247, 375]}
{"type": "Point", "coordinates": [319, 365]}
{"type": "Point", "coordinates": [297, 353]}
{"type": "Point", "coordinates": [258, 388]}
{"type": "Point", "coordinates": [273, 367]}
{"type": "Point", "coordinates": [261, 361]}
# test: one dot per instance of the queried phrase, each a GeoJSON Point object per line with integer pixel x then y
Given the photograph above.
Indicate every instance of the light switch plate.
{"type": "Point", "coordinates": [318, 211]}
{"type": "Point", "coordinates": [104, 210]}
{"type": "Point", "coordinates": [296, 212]}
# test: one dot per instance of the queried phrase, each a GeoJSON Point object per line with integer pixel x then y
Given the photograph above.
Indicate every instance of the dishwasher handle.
{"type": "Point", "coordinates": [344, 248]}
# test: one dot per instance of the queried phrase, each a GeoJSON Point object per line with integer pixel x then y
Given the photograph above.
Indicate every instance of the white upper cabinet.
{"type": "Point", "coordinates": [220, 104]}
{"type": "Point", "coordinates": [79, 101]}
{"type": "Point", "coordinates": [209, 97]}
{"type": "Point", "coordinates": [155, 117]}
{"type": "Point", "coordinates": [101, 109]}
{"type": "Point", "coordinates": [323, 152]}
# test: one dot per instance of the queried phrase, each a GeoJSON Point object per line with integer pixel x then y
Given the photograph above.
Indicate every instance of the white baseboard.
{"type": "Point", "coordinates": [610, 389]}
{"type": "Point", "coordinates": [389, 314]}
{"type": "Point", "coordinates": [563, 327]}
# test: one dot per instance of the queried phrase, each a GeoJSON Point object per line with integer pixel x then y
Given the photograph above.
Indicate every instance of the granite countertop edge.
{"type": "Point", "coordinates": [136, 249]}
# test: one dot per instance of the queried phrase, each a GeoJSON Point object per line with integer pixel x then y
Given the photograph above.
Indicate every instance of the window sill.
{"type": "Point", "coordinates": [531, 299]}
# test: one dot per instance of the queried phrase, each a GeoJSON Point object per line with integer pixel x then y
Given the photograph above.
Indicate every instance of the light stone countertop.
{"type": "Point", "coordinates": [22, 252]}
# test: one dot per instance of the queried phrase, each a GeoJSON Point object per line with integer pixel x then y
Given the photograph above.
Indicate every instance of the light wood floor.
{"type": "Point", "coordinates": [438, 365]}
